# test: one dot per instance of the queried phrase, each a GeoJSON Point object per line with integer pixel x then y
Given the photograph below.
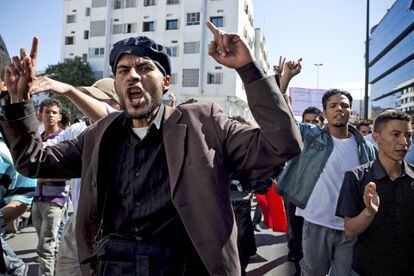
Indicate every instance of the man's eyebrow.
{"type": "Point", "coordinates": [122, 66]}
{"type": "Point", "coordinates": [145, 62]}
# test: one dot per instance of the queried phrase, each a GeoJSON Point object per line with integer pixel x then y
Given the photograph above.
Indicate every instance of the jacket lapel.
{"type": "Point", "coordinates": [174, 135]}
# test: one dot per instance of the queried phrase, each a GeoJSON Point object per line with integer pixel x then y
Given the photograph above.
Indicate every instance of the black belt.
{"type": "Point", "coordinates": [120, 255]}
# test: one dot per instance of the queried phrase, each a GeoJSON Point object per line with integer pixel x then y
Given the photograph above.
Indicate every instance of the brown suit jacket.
{"type": "Point", "coordinates": [201, 146]}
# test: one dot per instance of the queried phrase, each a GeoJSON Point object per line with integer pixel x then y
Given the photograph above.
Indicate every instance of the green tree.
{"type": "Point", "coordinates": [75, 72]}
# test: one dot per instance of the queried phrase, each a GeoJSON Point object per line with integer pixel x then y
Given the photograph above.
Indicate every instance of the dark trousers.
{"type": "Point", "coordinates": [246, 243]}
{"type": "Point", "coordinates": [257, 217]}
{"type": "Point", "coordinates": [295, 224]}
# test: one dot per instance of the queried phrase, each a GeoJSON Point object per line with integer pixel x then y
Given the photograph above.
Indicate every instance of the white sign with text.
{"type": "Point", "coordinates": [302, 98]}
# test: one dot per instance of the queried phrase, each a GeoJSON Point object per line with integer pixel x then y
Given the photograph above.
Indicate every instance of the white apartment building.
{"type": "Point", "coordinates": [91, 27]}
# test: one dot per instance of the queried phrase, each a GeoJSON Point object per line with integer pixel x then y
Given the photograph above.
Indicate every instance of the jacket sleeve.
{"type": "Point", "coordinates": [19, 125]}
{"type": "Point", "coordinates": [276, 140]}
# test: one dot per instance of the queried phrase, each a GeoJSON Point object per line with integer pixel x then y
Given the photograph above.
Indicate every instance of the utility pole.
{"type": "Point", "coordinates": [366, 65]}
{"type": "Point", "coordinates": [317, 79]}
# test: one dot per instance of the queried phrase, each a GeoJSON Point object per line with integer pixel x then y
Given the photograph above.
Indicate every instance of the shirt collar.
{"type": "Point", "coordinates": [408, 170]}
{"type": "Point", "coordinates": [379, 172]}
{"type": "Point", "coordinates": [158, 118]}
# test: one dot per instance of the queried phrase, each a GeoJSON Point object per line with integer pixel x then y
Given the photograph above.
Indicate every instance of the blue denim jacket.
{"type": "Point", "coordinates": [298, 179]}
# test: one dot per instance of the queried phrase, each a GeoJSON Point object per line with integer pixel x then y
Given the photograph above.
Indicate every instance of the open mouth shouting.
{"type": "Point", "coordinates": [136, 96]}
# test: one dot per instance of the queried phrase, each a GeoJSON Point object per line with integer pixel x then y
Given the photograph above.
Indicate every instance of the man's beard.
{"type": "Point", "coordinates": [340, 124]}
{"type": "Point", "coordinates": [154, 105]}
{"type": "Point", "coordinates": [148, 110]}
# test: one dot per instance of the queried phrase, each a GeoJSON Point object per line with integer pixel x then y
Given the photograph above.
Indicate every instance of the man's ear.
{"type": "Point", "coordinates": [166, 83]}
{"type": "Point", "coordinates": [376, 137]}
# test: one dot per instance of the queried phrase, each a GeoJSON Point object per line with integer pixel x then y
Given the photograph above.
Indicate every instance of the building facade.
{"type": "Point", "coordinates": [91, 27]}
{"type": "Point", "coordinates": [391, 60]}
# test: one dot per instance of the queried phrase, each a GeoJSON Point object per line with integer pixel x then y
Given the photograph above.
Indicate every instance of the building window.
{"type": "Point", "coordinates": [173, 78]}
{"type": "Point", "coordinates": [172, 51]}
{"type": "Point", "coordinates": [190, 77]}
{"type": "Point", "coordinates": [117, 28]}
{"type": "Point", "coordinates": [130, 3]}
{"type": "Point", "coordinates": [98, 3]}
{"type": "Point", "coordinates": [86, 34]}
{"type": "Point", "coordinates": [124, 28]}
{"type": "Point", "coordinates": [218, 21]}
{"type": "Point", "coordinates": [171, 24]}
{"type": "Point", "coordinates": [193, 18]}
{"type": "Point", "coordinates": [192, 47]}
{"type": "Point", "coordinates": [148, 26]}
{"type": "Point", "coordinates": [130, 28]}
{"type": "Point", "coordinates": [71, 18]}
{"type": "Point", "coordinates": [118, 4]}
{"type": "Point", "coordinates": [84, 57]}
{"type": "Point", "coordinates": [96, 52]}
{"type": "Point", "coordinates": [173, 2]}
{"type": "Point", "coordinates": [69, 40]}
{"type": "Point", "coordinates": [97, 28]}
{"type": "Point", "coordinates": [87, 11]}
{"type": "Point", "coordinates": [149, 3]}
{"type": "Point", "coordinates": [215, 78]}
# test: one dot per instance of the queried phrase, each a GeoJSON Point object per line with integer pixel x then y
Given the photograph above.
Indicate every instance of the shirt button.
{"type": "Point", "coordinates": [137, 204]}
{"type": "Point", "coordinates": [136, 173]}
{"type": "Point", "coordinates": [136, 229]}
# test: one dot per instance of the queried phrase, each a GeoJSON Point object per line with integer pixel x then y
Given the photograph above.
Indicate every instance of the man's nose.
{"type": "Point", "coordinates": [406, 141]}
{"type": "Point", "coordinates": [134, 75]}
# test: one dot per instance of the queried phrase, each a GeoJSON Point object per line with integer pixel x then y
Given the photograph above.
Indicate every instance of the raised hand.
{"type": "Point", "coordinates": [278, 69]}
{"type": "Point", "coordinates": [292, 68]}
{"type": "Point", "coordinates": [228, 49]}
{"type": "Point", "coordinates": [19, 75]}
{"type": "Point", "coordinates": [172, 99]}
{"type": "Point", "coordinates": [42, 84]}
{"type": "Point", "coordinates": [371, 198]}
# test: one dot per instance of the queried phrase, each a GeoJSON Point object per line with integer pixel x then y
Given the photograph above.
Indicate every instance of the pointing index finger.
{"type": "Point", "coordinates": [212, 28]}
{"type": "Point", "coordinates": [33, 52]}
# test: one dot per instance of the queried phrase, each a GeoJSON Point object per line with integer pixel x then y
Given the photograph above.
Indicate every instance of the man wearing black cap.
{"type": "Point", "coordinates": [155, 191]}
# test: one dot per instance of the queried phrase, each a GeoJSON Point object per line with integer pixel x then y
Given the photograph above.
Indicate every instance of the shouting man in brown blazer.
{"type": "Point", "coordinates": [155, 194]}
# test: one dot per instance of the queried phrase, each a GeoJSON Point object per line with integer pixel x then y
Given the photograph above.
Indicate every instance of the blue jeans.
{"type": "Point", "coordinates": [14, 265]}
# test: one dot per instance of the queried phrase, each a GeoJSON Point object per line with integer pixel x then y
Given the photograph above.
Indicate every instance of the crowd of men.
{"type": "Point", "coordinates": [163, 190]}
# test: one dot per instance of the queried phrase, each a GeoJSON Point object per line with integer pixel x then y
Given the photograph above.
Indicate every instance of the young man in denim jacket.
{"type": "Point", "coordinates": [312, 182]}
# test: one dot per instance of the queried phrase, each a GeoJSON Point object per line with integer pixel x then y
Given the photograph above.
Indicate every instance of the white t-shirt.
{"type": "Point", "coordinates": [321, 206]}
{"type": "Point", "coordinates": [141, 132]}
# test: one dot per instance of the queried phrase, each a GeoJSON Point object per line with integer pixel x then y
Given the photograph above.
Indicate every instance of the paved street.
{"type": "Point", "coordinates": [271, 255]}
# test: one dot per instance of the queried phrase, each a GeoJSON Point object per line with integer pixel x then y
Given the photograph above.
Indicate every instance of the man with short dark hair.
{"type": "Point", "coordinates": [312, 115]}
{"type": "Point", "coordinates": [50, 110]}
{"type": "Point", "coordinates": [377, 202]}
{"type": "Point", "coordinates": [155, 179]}
{"type": "Point", "coordinates": [65, 118]}
{"type": "Point", "coordinates": [51, 196]}
{"type": "Point", "coordinates": [312, 182]}
{"type": "Point", "coordinates": [364, 127]}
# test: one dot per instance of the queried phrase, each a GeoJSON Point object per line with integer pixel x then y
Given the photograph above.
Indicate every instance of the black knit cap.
{"type": "Point", "coordinates": [141, 46]}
